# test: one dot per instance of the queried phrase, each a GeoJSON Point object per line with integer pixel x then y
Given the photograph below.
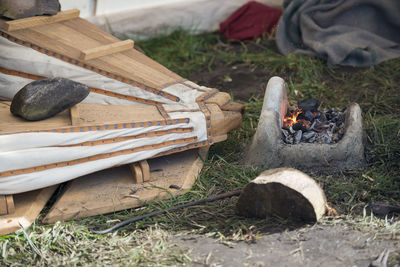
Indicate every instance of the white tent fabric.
{"type": "Point", "coordinates": [33, 160]}
{"type": "Point", "coordinates": [21, 58]}
{"type": "Point", "coordinates": [154, 17]}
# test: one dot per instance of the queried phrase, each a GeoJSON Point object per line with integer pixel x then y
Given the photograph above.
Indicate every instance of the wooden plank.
{"type": "Point", "coordinates": [71, 37]}
{"type": "Point", "coordinates": [3, 205]}
{"type": "Point", "coordinates": [25, 23]}
{"type": "Point", "coordinates": [105, 50]}
{"type": "Point", "coordinates": [89, 114]}
{"type": "Point", "coordinates": [112, 190]}
{"type": "Point", "coordinates": [136, 173]}
{"type": "Point", "coordinates": [10, 204]}
{"type": "Point", "coordinates": [74, 114]}
{"type": "Point", "coordinates": [144, 166]}
{"type": "Point", "coordinates": [27, 208]}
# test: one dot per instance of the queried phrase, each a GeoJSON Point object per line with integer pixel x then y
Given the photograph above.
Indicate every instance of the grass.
{"type": "Point", "coordinates": [147, 243]}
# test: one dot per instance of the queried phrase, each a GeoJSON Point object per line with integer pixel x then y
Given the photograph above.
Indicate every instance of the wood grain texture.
{"type": "Point", "coordinates": [27, 208]}
{"type": "Point", "coordinates": [105, 50]}
{"type": "Point", "coordinates": [25, 23]}
{"type": "Point", "coordinates": [74, 114]}
{"type": "Point", "coordinates": [113, 190]}
{"type": "Point", "coordinates": [71, 37]}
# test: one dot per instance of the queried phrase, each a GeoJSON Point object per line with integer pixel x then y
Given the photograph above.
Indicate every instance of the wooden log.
{"type": "Point", "coordinates": [283, 192]}
{"type": "Point", "coordinates": [105, 50]}
{"type": "Point", "coordinates": [25, 23]}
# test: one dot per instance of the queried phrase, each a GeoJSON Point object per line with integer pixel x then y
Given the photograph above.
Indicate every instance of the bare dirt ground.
{"type": "Point", "coordinates": [338, 245]}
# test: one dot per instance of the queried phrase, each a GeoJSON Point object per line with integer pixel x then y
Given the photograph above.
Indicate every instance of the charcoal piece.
{"type": "Point", "coordinates": [45, 98]}
{"type": "Point", "coordinates": [285, 134]}
{"type": "Point", "coordinates": [312, 126]}
{"type": "Point", "coordinates": [307, 115]}
{"type": "Point", "coordinates": [326, 138]}
{"type": "Point", "coordinates": [17, 9]}
{"type": "Point", "coordinates": [322, 117]}
{"type": "Point", "coordinates": [335, 137]}
{"type": "Point", "coordinates": [340, 124]}
{"type": "Point", "coordinates": [298, 126]}
{"type": "Point", "coordinates": [291, 130]}
{"type": "Point", "coordinates": [297, 137]}
{"type": "Point", "coordinates": [308, 135]}
{"type": "Point", "coordinates": [288, 140]}
{"type": "Point", "coordinates": [309, 104]}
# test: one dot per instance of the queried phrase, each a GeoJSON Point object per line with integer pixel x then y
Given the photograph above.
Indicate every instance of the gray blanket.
{"type": "Point", "coordinates": [357, 33]}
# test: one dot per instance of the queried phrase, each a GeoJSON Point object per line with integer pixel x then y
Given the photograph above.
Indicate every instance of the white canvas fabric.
{"type": "Point", "coordinates": [21, 151]}
{"type": "Point", "coordinates": [16, 57]}
{"type": "Point", "coordinates": [44, 148]}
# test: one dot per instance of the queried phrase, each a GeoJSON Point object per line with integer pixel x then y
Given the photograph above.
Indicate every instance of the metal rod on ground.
{"type": "Point", "coordinates": [155, 213]}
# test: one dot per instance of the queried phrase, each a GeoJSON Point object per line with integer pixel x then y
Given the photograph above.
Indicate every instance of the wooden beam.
{"type": "Point", "coordinates": [25, 23]}
{"type": "Point", "coordinates": [105, 50]}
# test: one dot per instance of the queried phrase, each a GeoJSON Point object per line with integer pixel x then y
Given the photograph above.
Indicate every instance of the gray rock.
{"type": "Point", "coordinates": [45, 98]}
{"type": "Point", "coordinates": [17, 9]}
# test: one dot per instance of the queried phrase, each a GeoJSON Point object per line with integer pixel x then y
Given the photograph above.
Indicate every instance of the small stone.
{"type": "Point", "coordinates": [45, 98]}
{"type": "Point", "coordinates": [17, 9]}
{"type": "Point", "coordinates": [309, 104]}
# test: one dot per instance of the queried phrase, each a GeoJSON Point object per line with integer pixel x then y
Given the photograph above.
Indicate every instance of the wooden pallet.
{"type": "Point", "coordinates": [75, 40]}
{"type": "Point", "coordinates": [115, 189]}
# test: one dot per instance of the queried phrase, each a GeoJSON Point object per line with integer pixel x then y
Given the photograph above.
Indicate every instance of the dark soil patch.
{"type": "Point", "coordinates": [241, 80]}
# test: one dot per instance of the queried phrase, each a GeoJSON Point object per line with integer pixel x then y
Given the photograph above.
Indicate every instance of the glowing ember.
{"type": "Point", "coordinates": [291, 118]}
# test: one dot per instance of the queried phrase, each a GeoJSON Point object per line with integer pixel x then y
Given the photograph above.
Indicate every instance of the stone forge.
{"type": "Point", "coordinates": [267, 149]}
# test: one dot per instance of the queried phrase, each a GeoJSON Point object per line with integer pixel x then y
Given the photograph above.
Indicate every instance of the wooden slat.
{"type": "Point", "coordinates": [136, 173]}
{"type": "Point", "coordinates": [10, 204]}
{"type": "Point", "coordinates": [3, 205]}
{"type": "Point", "coordinates": [74, 113]}
{"type": "Point", "coordinates": [27, 208]}
{"type": "Point", "coordinates": [71, 37]}
{"type": "Point", "coordinates": [106, 49]}
{"type": "Point", "coordinates": [144, 166]}
{"type": "Point", "coordinates": [25, 23]}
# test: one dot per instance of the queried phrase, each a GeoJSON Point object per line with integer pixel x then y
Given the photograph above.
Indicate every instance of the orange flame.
{"type": "Point", "coordinates": [291, 118]}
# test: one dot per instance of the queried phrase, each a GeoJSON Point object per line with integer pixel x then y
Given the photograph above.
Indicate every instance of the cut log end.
{"type": "Point", "coordinates": [284, 192]}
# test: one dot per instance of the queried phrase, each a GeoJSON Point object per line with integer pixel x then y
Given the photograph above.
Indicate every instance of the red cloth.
{"type": "Point", "coordinates": [251, 20]}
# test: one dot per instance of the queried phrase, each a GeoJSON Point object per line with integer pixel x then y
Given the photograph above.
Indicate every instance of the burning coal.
{"type": "Point", "coordinates": [308, 124]}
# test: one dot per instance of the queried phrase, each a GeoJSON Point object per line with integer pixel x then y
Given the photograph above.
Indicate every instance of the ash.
{"type": "Point", "coordinates": [309, 125]}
